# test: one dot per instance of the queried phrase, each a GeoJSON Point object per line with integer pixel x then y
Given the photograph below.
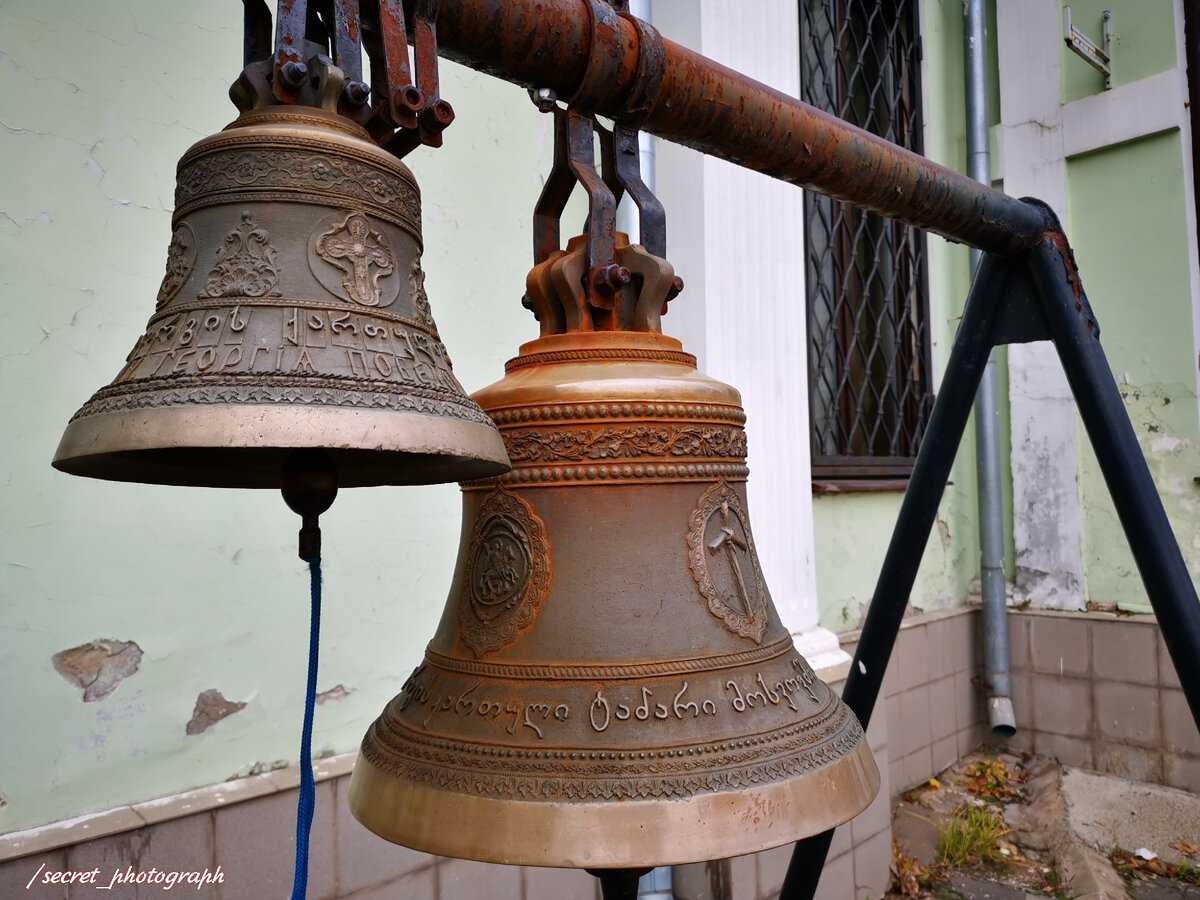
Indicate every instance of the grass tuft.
{"type": "Point", "coordinates": [971, 836]}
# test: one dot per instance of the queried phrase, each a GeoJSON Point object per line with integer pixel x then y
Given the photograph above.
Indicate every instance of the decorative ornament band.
{"type": "Point", "coordinates": [335, 391]}
{"type": "Point", "coordinates": [237, 167]}
{"type": "Point", "coordinates": [556, 775]}
{"type": "Point", "coordinates": [608, 354]}
{"type": "Point", "coordinates": [624, 443]}
{"type": "Point", "coordinates": [549, 477]}
{"type": "Point", "coordinates": [617, 409]}
{"type": "Point", "coordinates": [600, 672]}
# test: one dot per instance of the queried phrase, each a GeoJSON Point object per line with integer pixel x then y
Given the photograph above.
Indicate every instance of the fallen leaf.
{"type": "Point", "coordinates": [1009, 849]}
{"type": "Point", "coordinates": [934, 783]}
{"type": "Point", "coordinates": [1186, 847]}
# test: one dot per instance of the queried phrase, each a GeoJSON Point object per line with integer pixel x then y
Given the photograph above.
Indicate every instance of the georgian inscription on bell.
{"type": "Point", "coordinates": [438, 700]}
{"type": "Point", "coordinates": [359, 253]}
{"type": "Point", "coordinates": [760, 692]}
{"type": "Point", "coordinates": [181, 259]}
{"type": "Point", "coordinates": [644, 707]}
{"type": "Point", "coordinates": [724, 562]}
{"type": "Point", "coordinates": [507, 573]}
{"type": "Point", "coordinates": [247, 265]}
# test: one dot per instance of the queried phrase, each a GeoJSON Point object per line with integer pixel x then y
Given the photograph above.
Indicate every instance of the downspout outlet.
{"type": "Point", "coordinates": [1001, 718]}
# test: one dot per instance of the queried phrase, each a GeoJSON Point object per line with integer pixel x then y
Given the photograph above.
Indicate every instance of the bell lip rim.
{"type": "Point", "coordinates": [123, 434]}
{"type": "Point", "coordinates": [503, 845]}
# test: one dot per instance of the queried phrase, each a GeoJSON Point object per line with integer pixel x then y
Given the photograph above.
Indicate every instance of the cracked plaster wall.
{"type": "Point", "coordinates": [97, 103]}
{"type": "Point", "coordinates": [1128, 221]}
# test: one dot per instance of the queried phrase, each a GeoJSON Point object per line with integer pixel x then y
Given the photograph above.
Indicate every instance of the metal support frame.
{"type": "Point", "coordinates": [1038, 296]}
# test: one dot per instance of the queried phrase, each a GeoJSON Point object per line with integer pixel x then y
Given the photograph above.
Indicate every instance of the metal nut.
{"type": "Point", "coordinates": [608, 279]}
{"type": "Point", "coordinates": [294, 73]}
{"type": "Point", "coordinates": [357, 92]}
{"type": "Point", "coordinates": [545, 99]}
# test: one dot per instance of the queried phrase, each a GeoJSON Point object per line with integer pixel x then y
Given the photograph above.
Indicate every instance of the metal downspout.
{"type": "Point", "coordinates": [987, 405]}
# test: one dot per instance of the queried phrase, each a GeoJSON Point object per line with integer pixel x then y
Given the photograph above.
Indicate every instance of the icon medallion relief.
{"type": "Point", "coordinates": [353, 260]}
{"type": "Point", "coordinates": [507, 573]}
{"type": "Point", "coordinates": [724, 562]}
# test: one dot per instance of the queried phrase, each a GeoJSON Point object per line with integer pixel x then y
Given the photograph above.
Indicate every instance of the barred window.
{"type": "Point", "coordinates": [869, 372]}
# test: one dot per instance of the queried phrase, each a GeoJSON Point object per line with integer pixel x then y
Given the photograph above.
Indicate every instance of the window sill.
{"type": "Point", "coordinates": [858, 486]}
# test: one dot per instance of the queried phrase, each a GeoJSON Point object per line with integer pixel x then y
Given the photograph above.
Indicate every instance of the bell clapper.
{"type": "Point", "coordinates": [309, 486]}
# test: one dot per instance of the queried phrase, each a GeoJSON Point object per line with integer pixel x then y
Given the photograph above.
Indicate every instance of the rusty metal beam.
{"type": "Point", "coordinates": [702, 104]}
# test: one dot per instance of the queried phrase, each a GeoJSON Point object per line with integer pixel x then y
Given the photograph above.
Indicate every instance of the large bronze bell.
{"type": "Point", "coordinates": [610, 685]}
{"type": "Point", "coordinates": [292, 314]}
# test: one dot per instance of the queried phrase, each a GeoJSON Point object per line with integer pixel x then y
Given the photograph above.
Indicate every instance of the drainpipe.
{"type": "Point", "coordinates": [987, 405]}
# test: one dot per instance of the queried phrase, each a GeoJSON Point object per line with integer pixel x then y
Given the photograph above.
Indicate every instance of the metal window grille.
{"type": "Point", "coordinates": [866, 275]}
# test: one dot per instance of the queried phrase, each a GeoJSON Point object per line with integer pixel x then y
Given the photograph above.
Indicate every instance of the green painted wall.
{"type": "Point", "coordinates": [852, 530]}
{"type": "Point", "coordinates": [98, 101]}
{"type": "Point", "coordinates": [1128, 224]}
{"type": "Point", "coordinates": [1143, 43]}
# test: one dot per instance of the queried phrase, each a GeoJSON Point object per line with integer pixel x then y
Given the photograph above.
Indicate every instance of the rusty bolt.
{"type": "Point", "coordinates": [545, 99]}
{"type": "Point", "coordinates": [357, 92]}
{"type": "Point", "coordinates": [527, 302]}
{"type": "Point", "coordinates": [437, 117]}
{"type": "Point", "coordinates": [294, 73]}
{"type": "Point", "coordinates": [676, 288]}
{"type": "Point", "coordinates": [609, 279]}
{"type": "Point", "coordinates": [408, 97]}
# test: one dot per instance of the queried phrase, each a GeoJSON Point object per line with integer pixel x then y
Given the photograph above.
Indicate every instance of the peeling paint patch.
{"type": "Point", "coordinates": [944, 533]}
{"type": "Point", "coordinates": [258, 769]}
{"type": "Point", "coordinates": [337, 692]}
{"type": "Point", "coordinates": [98, 667]}
{"type": "Point", "coordinates": [1166, 444]}
{"type": "Point", "coordinates": [211, 708]}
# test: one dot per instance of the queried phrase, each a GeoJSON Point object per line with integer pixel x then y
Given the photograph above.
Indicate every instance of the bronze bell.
{"type": "Point", "coordinates": [292, 314]}
{"type": "Point", "coordinates": [610, 685]}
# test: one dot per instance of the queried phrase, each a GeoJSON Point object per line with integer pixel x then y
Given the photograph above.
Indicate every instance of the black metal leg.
{"type": "Point", "coordinates": [619, 884]}
{"type": "Point", "coordinates": [939, 444]}
{"type": "Point", "coordinates": [1164, 572]}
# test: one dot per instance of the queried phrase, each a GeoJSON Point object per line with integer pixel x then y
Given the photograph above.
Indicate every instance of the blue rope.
{"type": "Point", "coordinates": [308, 788]}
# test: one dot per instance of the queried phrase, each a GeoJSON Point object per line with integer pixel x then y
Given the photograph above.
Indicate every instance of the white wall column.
{"type": "Point", "coordinates": [736, 237]}
{"type": "Point", "coordinates": [1047, 527]}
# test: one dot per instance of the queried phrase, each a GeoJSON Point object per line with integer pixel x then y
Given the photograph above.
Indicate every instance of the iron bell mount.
{"type": "Point", "coordinates": [610, 686]}
{"type": "Point", "coordinates": [293, 313]}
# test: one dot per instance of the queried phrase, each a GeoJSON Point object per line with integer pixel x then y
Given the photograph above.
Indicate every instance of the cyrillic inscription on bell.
{"type": "Point", "coordinates": [637, 701]}
{"type": "Point", "coordinates": [292, 313]}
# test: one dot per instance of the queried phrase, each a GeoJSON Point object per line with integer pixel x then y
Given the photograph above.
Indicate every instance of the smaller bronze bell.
{"type": "Point", "coordinates": [292, 314]}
